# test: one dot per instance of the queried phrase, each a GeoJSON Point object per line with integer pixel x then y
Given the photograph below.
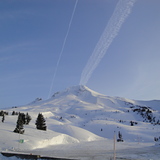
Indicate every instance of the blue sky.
{"type": "Point", "coordinates": [32, 35]}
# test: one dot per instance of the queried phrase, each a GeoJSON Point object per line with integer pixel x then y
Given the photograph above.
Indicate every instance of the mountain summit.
{"type": "Point", "coordinates": [77, 91]}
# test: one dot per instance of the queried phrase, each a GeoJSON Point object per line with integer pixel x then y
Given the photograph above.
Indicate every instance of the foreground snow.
{"type": "Point", "coordinates": [81, 124]}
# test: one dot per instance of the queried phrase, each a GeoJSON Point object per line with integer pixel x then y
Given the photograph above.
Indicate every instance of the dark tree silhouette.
{"type": "Point", "coordinates": [40, 122]}
{"type": "Point", "coordinates": [23, 117]}
{"type": "Point", "coordinates": [13, 113]}
{"type": "Point", "coordinates": [3, 118]}
{"type": "Point", "coordinates": [28, 118]}
{"type": "Point", "coordinates": [19, 126]}
{"type": "Point", "coordinates": [132, 123]}
{"type": "Point", "coordinates": [120, 139]}
{"type": "Point", "coordinates": [1, 113]}
{"type": "Point", "coordinates": [119, 135]}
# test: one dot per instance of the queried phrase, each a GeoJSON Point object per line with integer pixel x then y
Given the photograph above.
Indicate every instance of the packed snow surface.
{"type": "Point", "coordinates": [81, 124]}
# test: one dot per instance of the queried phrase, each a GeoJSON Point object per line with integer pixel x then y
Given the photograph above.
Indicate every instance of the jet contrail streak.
{"type": "Point", "coordinates": [64, 42]}
{"type": "Point", "coordinates": [121, 12]}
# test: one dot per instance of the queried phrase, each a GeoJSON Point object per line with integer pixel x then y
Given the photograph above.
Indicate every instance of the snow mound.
{"type": "Point", "coordinates": [57, 140]}
{"type": "Point", "coordinates": [63, 139]}
{"type": "Point", "coordinates": [78, 133]}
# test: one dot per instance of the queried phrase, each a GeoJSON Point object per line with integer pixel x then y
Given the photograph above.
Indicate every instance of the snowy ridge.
{"type": "Point", "coordinates": [78, 119]}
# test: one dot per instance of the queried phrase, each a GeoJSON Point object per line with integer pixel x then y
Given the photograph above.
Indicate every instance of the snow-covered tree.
{"type": "Point", "coordinates": [40, 122]}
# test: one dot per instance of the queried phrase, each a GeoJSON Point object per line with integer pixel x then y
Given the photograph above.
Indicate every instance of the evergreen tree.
{"type": "Point", "coordinates": [40, 122]}
{"type": "Point", "coordinates": [3, 118]}
{"type": "Point", "coordinates": [23, 117]}
{"type": "Point", "coordinates": [119, 135]}
{"type": "Point", "coordinates": [19, 126]}
{"type": "Point", "coordinates": [120, 139]}
{"type": "Point", "coordinates": [28, 118]}
{"type": "Point", "coordinates": [1, 113]}
{"type": "Point", "coordinates": [132, 123]}
{"type": "Point", "coordinates": [13, 113]}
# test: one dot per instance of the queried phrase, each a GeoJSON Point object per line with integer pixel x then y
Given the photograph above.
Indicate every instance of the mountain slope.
{"type": "Point", "coordinates": [79, 116]}
{"type": "Point", "coordinates": [84, 108]}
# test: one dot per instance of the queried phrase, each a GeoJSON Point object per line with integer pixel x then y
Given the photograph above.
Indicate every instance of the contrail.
{"type": "Point", "coordinates": [121, 12]}
{"type": "Point", "coordinates": [64, 42]}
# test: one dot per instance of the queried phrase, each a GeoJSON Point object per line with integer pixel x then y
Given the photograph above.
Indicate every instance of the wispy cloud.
{"type": "Point", "coordinates": [121, 12]}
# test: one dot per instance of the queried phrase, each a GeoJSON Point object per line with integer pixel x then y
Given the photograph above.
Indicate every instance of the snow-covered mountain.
{"type": "Point", "coordinates": [81, 123]}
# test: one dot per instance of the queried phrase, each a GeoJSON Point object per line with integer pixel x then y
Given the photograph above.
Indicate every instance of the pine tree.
{"type": "Point", "coordinates": [13, 113]}
{"type": "Point", "coordinates": [3, 118]}
{"type": "Point", "coordinates": [1, 113]}
{"type": "Point", "coordinates": [119, 135]}
{"type": "Point", "coordinates": [28, 118]}
{"type": "Point", "coordinates": [23, 117]}
{"type": "Point", "coordinates": [19, 126]}
{"type": "Point", "coordinates": [40, 122]}
{"type": "Point", "coordinates": [120, 139]}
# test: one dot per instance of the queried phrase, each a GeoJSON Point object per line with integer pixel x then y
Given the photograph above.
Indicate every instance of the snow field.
{"type": "Point", "coordinates": [81, 124]}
